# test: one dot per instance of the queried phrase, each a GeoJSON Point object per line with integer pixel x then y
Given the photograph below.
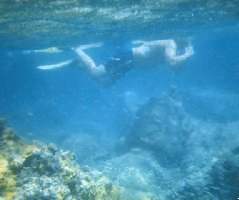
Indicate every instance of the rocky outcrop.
{"type": "Point", "coordinates": [38, 171]}
{"type": "Point", "coordinates": [162, 127]}
{"type": "Point", "coordinates": [192, 154]}
{"type": "Point", "coordinates": [225, 176]}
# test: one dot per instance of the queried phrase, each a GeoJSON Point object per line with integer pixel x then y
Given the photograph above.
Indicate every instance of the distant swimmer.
{"type": "Point", "coordinates": [141, 53]}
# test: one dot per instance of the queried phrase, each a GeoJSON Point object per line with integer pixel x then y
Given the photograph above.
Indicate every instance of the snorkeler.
{"type": "Point", "coordinates": [142, 53]}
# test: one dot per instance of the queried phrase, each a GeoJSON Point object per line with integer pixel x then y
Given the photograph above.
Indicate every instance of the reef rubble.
{"type": "Point", "coordinates": [33, 171]}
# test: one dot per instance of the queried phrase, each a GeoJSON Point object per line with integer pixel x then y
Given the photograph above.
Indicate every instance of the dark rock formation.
{"type": "Point", "coordinates": [225, 176]}
{"type": "Point", "coordinates": [163, 128]}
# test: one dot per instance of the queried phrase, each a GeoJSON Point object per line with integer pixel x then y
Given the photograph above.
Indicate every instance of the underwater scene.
{"type": "Point", "coordinates": [119, 100]}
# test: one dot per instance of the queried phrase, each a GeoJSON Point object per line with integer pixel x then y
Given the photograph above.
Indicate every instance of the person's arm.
{"type": "Point", "coordinates": [169, 45]}
{"type": "Point", "coordinates": [90, 46]}
{"type": "Point", "coordinates": [173, 57]}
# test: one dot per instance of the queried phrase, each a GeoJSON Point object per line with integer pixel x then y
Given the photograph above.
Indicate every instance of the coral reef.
{"type": "Point", "coordinates": [38, 171]}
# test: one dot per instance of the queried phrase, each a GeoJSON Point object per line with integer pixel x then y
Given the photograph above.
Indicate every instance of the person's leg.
{"type": "Point", "coordinates": [90, 46]}
{"type": "Point", "coordinates": [56, 66]}
{"type": "Point", "coordinates": [50, 50]}
{"type": "Point", "coordinates": [88, 62]}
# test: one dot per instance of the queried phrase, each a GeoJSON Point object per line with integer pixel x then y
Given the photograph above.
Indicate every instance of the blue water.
{"type": "Point", "coordinates": [68, 105]}
{"type": "Point", "coordinates": [71, 98]}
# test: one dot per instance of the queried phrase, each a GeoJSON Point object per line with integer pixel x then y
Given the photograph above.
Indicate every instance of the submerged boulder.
{"type": "Point", "coordinates": [39, 172]}
{"type": "Point", "coordinates": [225, 176]}
{"type": "Point", "coordinates": [162, 127]}
{"type": "Point", "coordinates": [219, 181]}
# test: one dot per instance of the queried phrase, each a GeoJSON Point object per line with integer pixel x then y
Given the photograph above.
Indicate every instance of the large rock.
{"type": "Point", "coordinates": [219, 181]}
{"type": "Point", "coordinates": [162, 127]}
{"type": "Point", "coordinates": [225, 176]}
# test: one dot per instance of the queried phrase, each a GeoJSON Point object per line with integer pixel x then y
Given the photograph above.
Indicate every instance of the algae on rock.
{"type": "Point", "coordinates": [38, 171]}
